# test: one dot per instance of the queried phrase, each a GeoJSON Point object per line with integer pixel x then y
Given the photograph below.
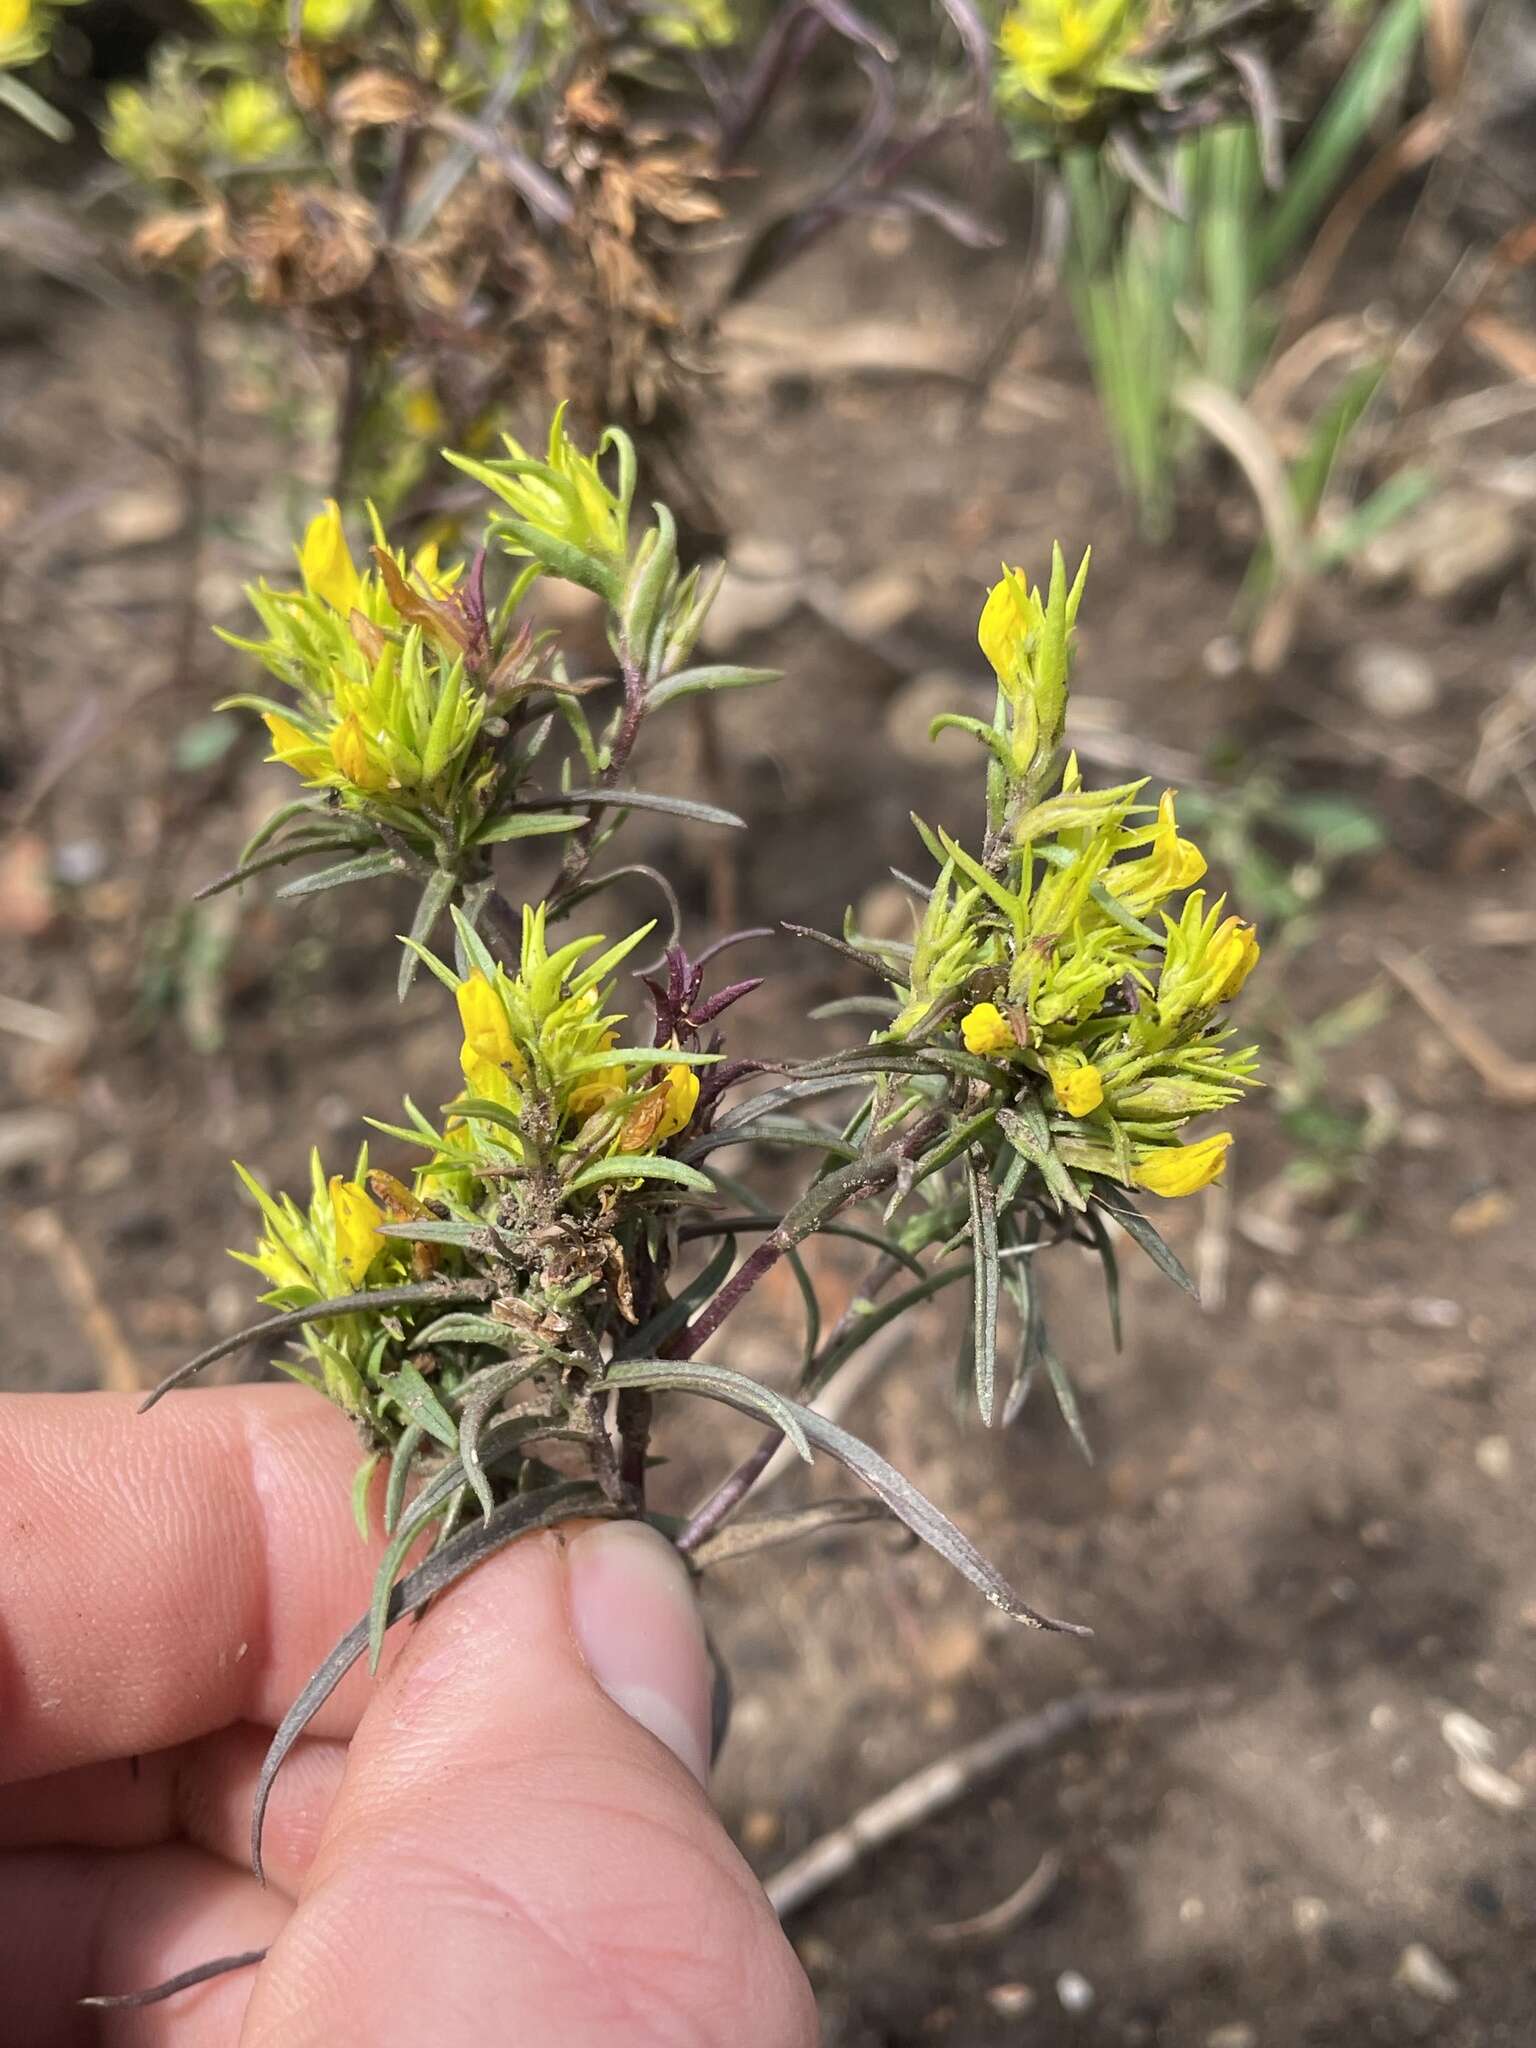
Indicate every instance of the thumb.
{"type": "Point", "coordinates": [522, 1831]}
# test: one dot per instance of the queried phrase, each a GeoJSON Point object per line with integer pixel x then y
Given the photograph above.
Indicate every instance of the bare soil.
{"type": "Point", "coordinates": [1312, 1502]}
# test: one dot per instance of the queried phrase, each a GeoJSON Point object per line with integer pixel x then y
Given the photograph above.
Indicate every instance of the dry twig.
{"type": "Point", "coordinates": [1504, 1078]}
{"type": "Point", "coordinates": [118, 1370]}
{"type": "Point", "coordinates": [1020, 1904]}
{"type": "Point", "coordinates": [939, 1785]}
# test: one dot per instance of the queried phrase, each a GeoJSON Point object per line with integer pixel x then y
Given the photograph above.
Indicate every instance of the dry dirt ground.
{"type": "Point", "coordinates": [1312, 1504]}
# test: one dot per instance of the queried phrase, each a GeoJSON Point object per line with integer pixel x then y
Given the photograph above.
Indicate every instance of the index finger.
{"type": "Point", "coordinates": [164, 1575]}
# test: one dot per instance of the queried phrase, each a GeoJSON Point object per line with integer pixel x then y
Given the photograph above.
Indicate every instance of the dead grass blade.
{"type": "Point", "coordinates": [1505, 1079]}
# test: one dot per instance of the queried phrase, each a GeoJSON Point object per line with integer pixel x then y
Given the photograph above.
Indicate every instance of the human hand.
{"type": "Point", "coordinates": [482, 1844]}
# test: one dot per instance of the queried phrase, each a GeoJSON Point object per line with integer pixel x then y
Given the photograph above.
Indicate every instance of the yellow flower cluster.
{"type": "Point", "coordinates": [386, 706]}
{"type": "Point", "coordinates": [544, 1072]}
{"type": "Point", "coordinates": [1119, 1017]}
{"type": "Point", "coordinates": [332, 1248]}
{"type": "Point", "coordinates": [1060, 57]}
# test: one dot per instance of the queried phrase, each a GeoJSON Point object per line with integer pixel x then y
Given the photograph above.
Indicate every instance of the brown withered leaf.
{"type": "Point", "coordinates": [443, 621]}
{"type": "Point", "coordinates": [306, 80]}
{"type": "Point", "coordinates": [310, 246]}
{"type": "Point", "coordinates": [166, 237]}
{"type": "Point", "coordinates": [376, 99]}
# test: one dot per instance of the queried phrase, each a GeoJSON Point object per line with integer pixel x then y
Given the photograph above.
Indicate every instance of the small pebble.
{"type": "Point", "coordinates": [1421, 1970]}
{"type": "Point", "coordinates": [1074, 1991]}
{"type": "Point", "coordinates": [1467, 1738]}
{"type": "Point", "coordinates": [1236, 2034]}
{"type": "Point", "coordinates": [1308, 1915]}
{"type": "Point", "coordinates": [1010, 2000]}
{"type": "Point", "coordinates": [1492, 1786]}
{"type": "Point", "coordinates": [1495, 1459]}
{"type": "Point", "coordinates": [1391, 681]}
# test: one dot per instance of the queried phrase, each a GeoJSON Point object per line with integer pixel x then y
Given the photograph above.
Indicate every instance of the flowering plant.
{"type": "Point", "coordinates": [498, 1318]}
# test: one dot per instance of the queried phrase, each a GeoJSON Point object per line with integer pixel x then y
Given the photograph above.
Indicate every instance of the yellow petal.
{"type": "Point", "coordinates": [295, 749]}
{"type": "Point", "coordinates": [354, 757]}
{"type": "Point", "coordinates": [1184, 1169]}
{"type": "Point", "coordinates": [1078, 1086]}
{"type": "Point", "coordinates": [1236, 949]}
{"type": "Point", "coordinates": [682, 1086]}
{"type": "Point", "coordinates": [1180, 862]}
{"type": "Point", "coordinates": [1003, 627]}
{"type": "Point", "coordinates": [325, 561]}
{"type": "Point", "coordinates": [986, 1031]}
{"type": "Point", "coordinates": [487, 1027]}
{"type": "Point", "coordinates": [357, 1218]}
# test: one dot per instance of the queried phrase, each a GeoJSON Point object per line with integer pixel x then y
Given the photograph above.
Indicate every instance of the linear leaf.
{"type": "Point", "coordinates": [639, 1166]}
{"type": "Point", "coordinates": [924, 1519]}
{"type": "Point", "coordinates": [434, 900]}
{"type": "Point", "coordinates": [526, 825]}
{"type": "Point", "coordinates": [1116, 1203]}
{"type": "Point", "coordinates": [416, 1400]}
{"type": "Point", "coordinates": [368, 1299]}
{"type": "Point", "coordinates": [689, 682]}
{"type": "Point", "coordinates": [983, 1201]}
{"type": "Point", "coordinates": [652, 800]}
{"type": "Point", "coordinates": [714, 1383]}
{"type": "Point", "coordinates": [367, 867]}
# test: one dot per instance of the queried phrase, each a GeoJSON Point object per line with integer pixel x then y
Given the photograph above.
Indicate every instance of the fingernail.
{"type": "Point", "coordinates": [637, 1621]}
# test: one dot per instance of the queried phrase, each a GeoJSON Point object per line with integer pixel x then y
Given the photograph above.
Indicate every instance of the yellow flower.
{"type": "Point", "coordinates": [355, 758]}
{"type": "Point", "coordinates": [682, 1087]}
{"type": "Point", "coordinates": [295, 749]}
{"type": "Point", "coordinates": [325, 561]}
{"type": "Point", "coordinates": [15, 19]}
{"type": "Point", "coordinates": [1184, 1169]}
{"type": "Point", "coordinates": [986, 1031]}
{"type": "Point", "coordinates": [1078, 1084]}
{"type": "Point", "coordinates": [358, 1217]}
{"type": "Point", "coordinates": [1004, 629]}
{"type": "Point", "coordinates": [1236, 950]}
{"type": "Point", "coordinates": [487, 1028]}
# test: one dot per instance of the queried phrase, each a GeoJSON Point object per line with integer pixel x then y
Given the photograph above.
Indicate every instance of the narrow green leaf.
{"type": "Point", "coordinates": [361, 1484]}
{"type": "Point", "coordinates": [1106, 1251]}
{"type": "Point", "coordinates": [367, 867]}
{"type": "Point", "coordinates": [983, 1201]}
{"type": "Point", "coordinates": [435, 1230]}
{"type": "Point", "coordinates": [924, 1519]}
{"type": "Point", "coordinates": [714, 1383]}
{"type": "Point", "coordinates": [1066, 1400]}
{"type": "Point", "coordinates": [690, 682]}
{"type": "Point", "coordinates": [639, 1166]}
{"type": "Point", "coordinates": [1116, 1203]}
{"type": "Point", "coordinates": [467, 1329]}
{"type": "Point", "coordinates": [434, 900]}
{"type": "Point", "coordinates": [416, 1400]}
{"type": "Point", "coordinates": [402, 1459]}
{"type": "Point", "coordinates": [526, 825]}
{"type": "Point", "coordinates": [1027, 1130]}
{"type": "Point", "coordinates": [652, 800]}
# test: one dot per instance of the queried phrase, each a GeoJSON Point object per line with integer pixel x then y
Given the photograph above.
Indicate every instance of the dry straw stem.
{"type": "Point", "coordinates": [940, 1785]}
{"type": "Point", "coordinates": [1506, 1080]}
{"type": "Point", "coordinates": [117, 1368]}
{"type": "Point", "coordinates": [1021, 1904]}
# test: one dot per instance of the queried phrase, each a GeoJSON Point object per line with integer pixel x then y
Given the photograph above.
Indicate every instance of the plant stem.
{"type": "Point", "coordinates": [578, 848]}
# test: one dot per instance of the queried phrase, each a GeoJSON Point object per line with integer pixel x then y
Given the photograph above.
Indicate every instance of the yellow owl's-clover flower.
{"type": "Point", "coordinates": [1063, 56]}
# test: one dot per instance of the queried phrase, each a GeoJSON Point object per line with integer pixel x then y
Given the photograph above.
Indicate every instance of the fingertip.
{"type": "Point", "coordinates": [638, 1626]}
